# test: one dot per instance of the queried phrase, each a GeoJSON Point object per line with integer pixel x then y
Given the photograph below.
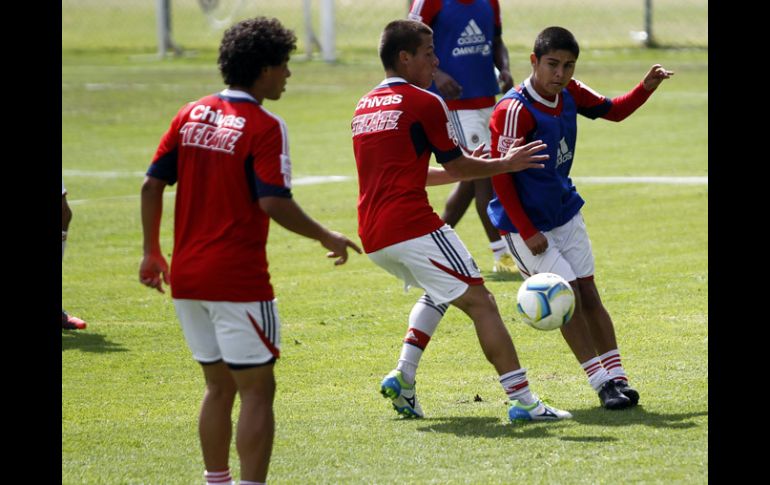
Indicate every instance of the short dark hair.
{"type": "Point", "coordinates": [555, 39]}
{"type": "Point", "coordinates": [401, 35]}
{"type": "Point", "coordinates": [251, 45]}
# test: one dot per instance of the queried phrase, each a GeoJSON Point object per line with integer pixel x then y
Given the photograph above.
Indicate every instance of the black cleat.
{"type": "Point", "coordinates": [611, 397]}
{"type": "Point", "coordinates": [626, 390]}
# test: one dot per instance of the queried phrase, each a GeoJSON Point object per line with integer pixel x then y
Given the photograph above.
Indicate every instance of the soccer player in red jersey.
{"type": "Point", "coordinates": [230, 157]}
{"type": "Point", "coordinates": [540, 210]}
{"type": "Point", "coordinates": [395, 128]}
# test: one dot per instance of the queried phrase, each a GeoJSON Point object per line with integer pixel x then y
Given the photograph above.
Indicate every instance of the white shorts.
{"type": "Point", "coordinates": [568, 255]}
{"type": "Point", "coordinates": [438, 262]}
{"type": "Point", "coordinates": [243, 334]}
{"type": "Point", "coordinates": [472, 127]}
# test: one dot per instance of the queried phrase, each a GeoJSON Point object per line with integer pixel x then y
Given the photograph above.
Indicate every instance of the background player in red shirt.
{"type": "Point", "coordinates": [468, 36]}
{"type": "Point", "coordinates": [396, 127]}
{"type": "Point", "coordinates": [231, 159]}
{"type": "Point", "coordinates": [68, 322]}
{"type": "Point", "coordinates": [542, 209]}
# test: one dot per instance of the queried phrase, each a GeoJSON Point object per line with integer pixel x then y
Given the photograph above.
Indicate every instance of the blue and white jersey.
{"type": "Point", "coordinates": [463, 32]}
{"type": "Point", "coordinates": [548, 196]}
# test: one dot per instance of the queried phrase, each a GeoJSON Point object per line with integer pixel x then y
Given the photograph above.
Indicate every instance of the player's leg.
{"type": "Point", "coordinates": [423, 320]}
{"type": "Point", "coordinates": [214, 420]}
{"type": "Point", "coordinates": [504, 262]}
{"type": "Point", "coordinates": [442, 265]}
{"type": "Point", "coordinates": [576, 332]}
{"type": "Point", "coordinates": [256, 422]}
{"type": "Point", "coordinates": [249, 336]}
{"type": "Point", "coordinates": [603, 337]}
{"type": "Point", "coordinates": [458, 202]}
{"type": "Point", "coordinates": [479, 304]}
{"type": "Point", "coordinates": [215, 426]}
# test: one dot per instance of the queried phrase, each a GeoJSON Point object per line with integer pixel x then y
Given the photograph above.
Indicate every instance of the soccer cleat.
{"type": "Point", "coordinates": [537, 411]}
{"type": "Point", "coordinates": [401, 394]}
{"type": "Point", "coordinates": [505, 264]}
{"type": "Point", "coordinates": [626, 390]}
{"type": "Point", "coordinates": [68, 322]}
{"type": "Point", "coordinates": [611, 397]}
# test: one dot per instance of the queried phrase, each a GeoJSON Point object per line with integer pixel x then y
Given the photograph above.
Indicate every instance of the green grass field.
{"type": "Point", "coordinates": [130, 410]}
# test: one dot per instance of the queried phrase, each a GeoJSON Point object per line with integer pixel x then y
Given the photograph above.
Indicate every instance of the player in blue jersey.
{"type": "Point", "coordinates": [540, 210]}
{"type": "Point", "coordinates": [467, 35]}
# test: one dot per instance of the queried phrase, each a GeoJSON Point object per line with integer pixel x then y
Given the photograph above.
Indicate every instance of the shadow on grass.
{"type": "Point", "coordinates": [497, 428]}
{"type": "Point", "coordinates": [489, 427]}
{"type": "Point", "coordinates": [88, 342]}
{"type": "Point", "coordinates": [488, 275]}
{"type": "Point", "coordinates": [634, 416]}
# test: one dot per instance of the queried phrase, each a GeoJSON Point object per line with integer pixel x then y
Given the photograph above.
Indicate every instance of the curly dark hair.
{"type": "Point", "coordinates": [250, 45]}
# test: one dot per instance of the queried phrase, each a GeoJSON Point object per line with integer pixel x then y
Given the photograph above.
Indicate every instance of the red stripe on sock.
{"type": "Point", "coordinates": [516, 387]}
{"type": "Point", "coordinates": [417, 338]}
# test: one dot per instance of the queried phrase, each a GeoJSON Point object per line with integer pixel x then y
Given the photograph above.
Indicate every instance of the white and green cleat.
{"type": "Point", "coordinates": [401, 394]}
{"type": "Point", "coordinates": [537, 411]}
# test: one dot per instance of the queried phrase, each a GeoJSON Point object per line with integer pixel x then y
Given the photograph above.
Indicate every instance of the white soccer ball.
{"type": "Point", "coordinates": [545, 301]}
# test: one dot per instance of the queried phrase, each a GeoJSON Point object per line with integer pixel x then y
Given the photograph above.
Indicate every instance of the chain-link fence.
{"type": "Point", "coordinates": [131, 25]}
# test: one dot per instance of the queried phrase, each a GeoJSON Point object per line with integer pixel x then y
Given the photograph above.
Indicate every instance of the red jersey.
{"type": "Point", "coordinates": [395, 128]}
{"type": "Point", "coordinates": [226, 151]}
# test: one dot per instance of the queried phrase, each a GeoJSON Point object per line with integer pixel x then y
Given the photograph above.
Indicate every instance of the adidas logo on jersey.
{"type": "Point", "coordinates": [472, 41]}
{"type": "Point", "coordinates": [564, 154]}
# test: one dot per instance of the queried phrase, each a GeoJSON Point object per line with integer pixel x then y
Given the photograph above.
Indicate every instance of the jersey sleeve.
{"type": "Point", "coordinates": [270, 162]}
{"type": "Point", "coordinates": [165, 162]}
{"type": "Point", "coordinates": [439, 130]}
{"type": "Point", "coordinates": [511, 120]}
{"type": "Point", "coordinates": [424, 10]}
{"type": "Point", "coordinates": [593, 105]}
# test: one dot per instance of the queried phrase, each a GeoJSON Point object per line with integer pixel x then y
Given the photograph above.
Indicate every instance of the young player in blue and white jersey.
{"type": "Point", "coordinates": [540, 210]}
{"type": "Point", "coordinates": [469, 45]}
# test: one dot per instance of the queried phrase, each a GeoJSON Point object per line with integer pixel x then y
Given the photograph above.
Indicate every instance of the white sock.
{"type": "Point", "coordinates": [246, 482]}
{"type": "Point", "coordinates": [611, 362]}
{"type": "Point", "coordinates": [423, 320]}
{"type": "Point", "coordinates": [221, 477]}
{"type": "Point", "coordinates": [597, 375]}
{"type": "Point", "coordinates": [498, 248]}
{"type": "Point", "coordinates": [516, 386]}
{"type": "Point", "coordinates": [63, 245]}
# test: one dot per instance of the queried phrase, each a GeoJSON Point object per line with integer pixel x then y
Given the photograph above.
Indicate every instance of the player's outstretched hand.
{"type": "Point", "coordinates": [521, 157]}
{"type": "Point", "coordinates": [153, 271]}
{"type": "Point", "coordinates": [338, 245]}
{"type": "Point", "coordinates": [655, 76]}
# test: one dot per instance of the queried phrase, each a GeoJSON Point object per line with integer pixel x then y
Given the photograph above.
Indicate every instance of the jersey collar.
{"type": "Point", "coordinates": [237, 94]}
{"type": "Point", "coordinates": [537, 97]}
{"type": "Point", "coordinates": [393, 80]}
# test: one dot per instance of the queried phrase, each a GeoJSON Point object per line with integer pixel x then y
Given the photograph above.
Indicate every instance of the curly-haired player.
{"type": "Point", "coordinates": [230, 157]}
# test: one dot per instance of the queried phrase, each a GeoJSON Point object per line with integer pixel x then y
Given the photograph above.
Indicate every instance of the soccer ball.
{"type": "Point", "coordinates": [545, 301]}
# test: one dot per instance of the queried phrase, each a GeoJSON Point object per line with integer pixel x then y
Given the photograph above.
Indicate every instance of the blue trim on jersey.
{"type": "Point", "coordinates": [270, 190]}
{"type": "Point", "coordinates": [463, 36]}
{"type": "Point", "coordinates": [421, 143]}
{"type": "Point", "coordinates": [547, 195]}
{"type": "Point", "coordinates": [236, 99]}
{"type": "Point", "coordinates": [165, 167]}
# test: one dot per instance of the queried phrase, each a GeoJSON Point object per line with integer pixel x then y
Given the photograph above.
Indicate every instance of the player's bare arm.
{"type": "Point", "coordinates": [290, 215]}
{"type": "Point", "coordinates": [656, 75]}
{"type": "Point", "coordinates": [153, 270]}
{"type": "Point", "coordinates": [518, 157]}
{"type": "Point", "coordinates": [505, 78]}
